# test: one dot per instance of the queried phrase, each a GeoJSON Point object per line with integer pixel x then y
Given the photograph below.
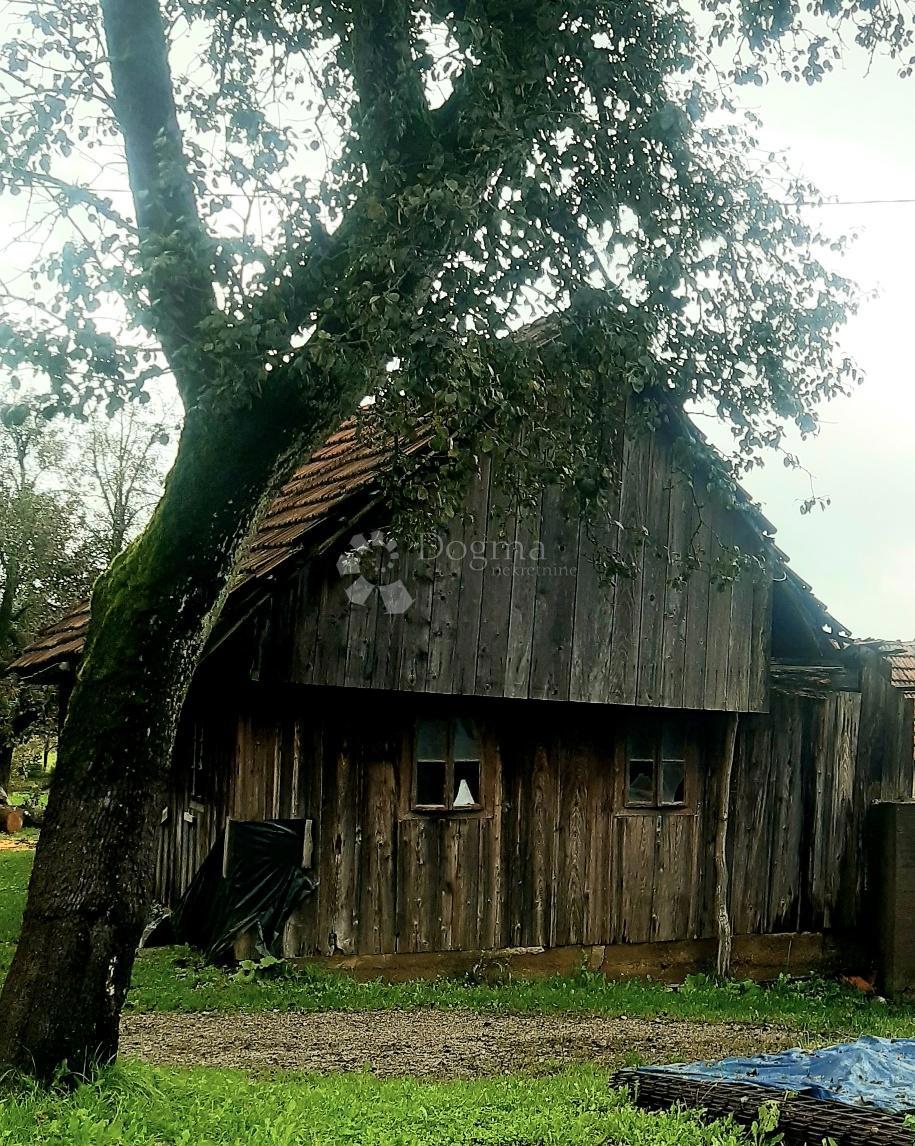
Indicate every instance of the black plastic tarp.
{"type": "Point", "coordinates": [251, 882]}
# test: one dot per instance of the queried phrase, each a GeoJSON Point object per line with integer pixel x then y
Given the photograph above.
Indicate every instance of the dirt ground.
{"type": "Point", "coordinates": [434, 1044]}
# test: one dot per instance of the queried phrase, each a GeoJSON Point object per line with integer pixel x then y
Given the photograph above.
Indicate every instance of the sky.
{"type": "Point", "coordinates": [854, 136]}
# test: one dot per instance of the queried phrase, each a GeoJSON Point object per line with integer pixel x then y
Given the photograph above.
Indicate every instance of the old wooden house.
{"type": "Point", "coordinates": [500, 754]}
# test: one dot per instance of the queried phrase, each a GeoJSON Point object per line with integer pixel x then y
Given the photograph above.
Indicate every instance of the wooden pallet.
{"type": "Point", "coordinates": [804, 1121]}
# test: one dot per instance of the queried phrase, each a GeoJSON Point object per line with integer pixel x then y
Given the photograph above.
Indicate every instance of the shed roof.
{"type": "Point", "coordinates": [320, 494]}
{"type": "Point", "coordinates": [900, 658]}
{"type": "Point", "coordinates": [57, 644]}
{"type": "Point", "coordinates": [902, 667]}
{"type": "Point", "coordinates": [350, 461]}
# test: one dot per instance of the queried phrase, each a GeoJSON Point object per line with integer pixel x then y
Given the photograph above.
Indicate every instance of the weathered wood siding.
{"type": "Point", "coordinates": [805, 775]}
{"type": "Point", "coordinates": [516, 608]}
{"type": "Point", "coordinates": [555, 859]}
{"type": "Point", "coordinates": [793, 786]}
{"type": "Point", "coordinates": [197, 800]}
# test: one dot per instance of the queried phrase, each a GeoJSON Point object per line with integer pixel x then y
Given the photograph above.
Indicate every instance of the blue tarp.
{"type": "Point", "coordinates": [878, 1073]}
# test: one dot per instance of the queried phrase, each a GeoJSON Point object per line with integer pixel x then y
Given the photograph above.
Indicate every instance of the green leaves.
{"type": "Point", "coordinates": [14, 416]}
{"type": "Point", "coordinates": [804, 40]}
{"type": "Point", "coordinates": [390, 193]}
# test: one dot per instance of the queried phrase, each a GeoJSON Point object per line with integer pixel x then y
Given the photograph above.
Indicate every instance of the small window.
{"type": "Point", "coordinates": [656, 767]}
{"type": "Point", "coordinates": [200, 776]}
{"type": "Point", "coordinates": [446, 767]}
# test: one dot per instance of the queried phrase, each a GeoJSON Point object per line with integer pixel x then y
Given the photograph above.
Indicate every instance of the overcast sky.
{"type": "Point", "coordinates": [854, 135]}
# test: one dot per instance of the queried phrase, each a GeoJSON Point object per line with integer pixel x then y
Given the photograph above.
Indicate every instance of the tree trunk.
{"type": "Point", "coordinates": [723, 875]}
{"type": "Point", "coordinates": [6, 765]}
{"type": "Point", "coordinates": [92, 879]}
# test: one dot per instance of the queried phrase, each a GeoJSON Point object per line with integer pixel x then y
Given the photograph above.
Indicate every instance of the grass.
{"type": "Point", "coordinates": [131, 1104]}
{"type": "Point", "coordinates": [15, 868]}
{"type": "Point", "coordinates": [176, 979]}
{"type": "Point", "coordinates": [32, 788]}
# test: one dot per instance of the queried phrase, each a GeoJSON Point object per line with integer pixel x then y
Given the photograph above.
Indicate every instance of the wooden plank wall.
{"type": "Point", "coordinates": [555, 859]}
{"type": "Point", "coordinates": [197, 802]}
{"type": "Point", "coordinates": [793, 786]}
{"type": "Point", "coordinates": [514, 607]}
{"type": "Point", "coordinates": [805, 775]}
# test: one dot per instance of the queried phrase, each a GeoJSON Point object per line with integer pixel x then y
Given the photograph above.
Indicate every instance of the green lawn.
{"type": "Point", "coordinates": [15, 867]}
{"type": "Point", "coordinates": [133, 1105]}
{"type": "Point", "coordinates": [176, 979]}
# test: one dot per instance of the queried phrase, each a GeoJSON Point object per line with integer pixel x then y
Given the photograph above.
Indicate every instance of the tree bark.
{"type": "Point", "coordinates": [6, 765]}
{"type": "Point", "coordinates": [91, 883]}
{"type": "Point", "coordinates": [723, 875]}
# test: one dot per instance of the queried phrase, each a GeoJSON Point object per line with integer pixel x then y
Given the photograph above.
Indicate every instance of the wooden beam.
{"type": "Point", "coordinates": [722, 873]}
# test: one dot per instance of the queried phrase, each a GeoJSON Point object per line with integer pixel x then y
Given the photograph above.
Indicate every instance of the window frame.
{"type": "Point", "coordinates": [655, 735]}
{"type": "Point", "coordinates": [450, 721]}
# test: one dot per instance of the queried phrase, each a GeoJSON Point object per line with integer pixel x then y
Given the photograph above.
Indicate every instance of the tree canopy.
{"type": "Point", "coordinates": [373, 200]}
{"type": "Point", "coordinates": [45, 561]}
{"type": "Point", "coordinates": [71, 497]}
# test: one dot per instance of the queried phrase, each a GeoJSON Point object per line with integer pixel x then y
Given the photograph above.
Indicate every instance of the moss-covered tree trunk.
{"type": "Point", "coordinates": [243, 432]}
{"type": "Point", "coordinates": [92, 878]}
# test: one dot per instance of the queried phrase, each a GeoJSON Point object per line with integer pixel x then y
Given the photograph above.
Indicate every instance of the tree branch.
{"type": "Point", "coordinates": [461, 139]}
{"type": "Point", "coordinates": [392, 119]}
{"type": "Point", "coordinates": [75, 194]}
{"type": "Point", "coordinates": [174, 246]}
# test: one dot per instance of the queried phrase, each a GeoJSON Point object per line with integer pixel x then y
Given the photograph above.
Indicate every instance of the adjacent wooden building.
{"type": "Point", "coordinates": [502, 755]}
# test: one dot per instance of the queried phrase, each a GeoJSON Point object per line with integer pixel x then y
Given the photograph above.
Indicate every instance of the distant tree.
{"type": "Point", "coordinates": [332, 199]}
{"type": "Point", "coordinates": [46, 559]}
{"type": "Point", "coordinates": [122, 459]}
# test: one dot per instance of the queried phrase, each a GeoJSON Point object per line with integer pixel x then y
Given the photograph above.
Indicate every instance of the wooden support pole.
{"type": "Point", "coordinates": [722, 874]}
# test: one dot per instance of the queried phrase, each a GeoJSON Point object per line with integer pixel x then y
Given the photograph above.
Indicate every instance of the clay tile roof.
{"type": "Point", "coordinates": [349, 462]}
{"type": "Point", "coordinates": [60, 642]}
{"type": "Point", "coordinates": [902, 665]}
{"type": "Point", "coordinates": [899, 656]}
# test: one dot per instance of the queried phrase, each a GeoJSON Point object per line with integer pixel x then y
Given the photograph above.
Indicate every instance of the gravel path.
{"type": "Point", "coordinates": [432, 1043]}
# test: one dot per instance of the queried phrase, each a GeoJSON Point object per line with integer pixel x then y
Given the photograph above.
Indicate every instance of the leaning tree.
{"type": "Point", "coordinates": [289, 206]}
